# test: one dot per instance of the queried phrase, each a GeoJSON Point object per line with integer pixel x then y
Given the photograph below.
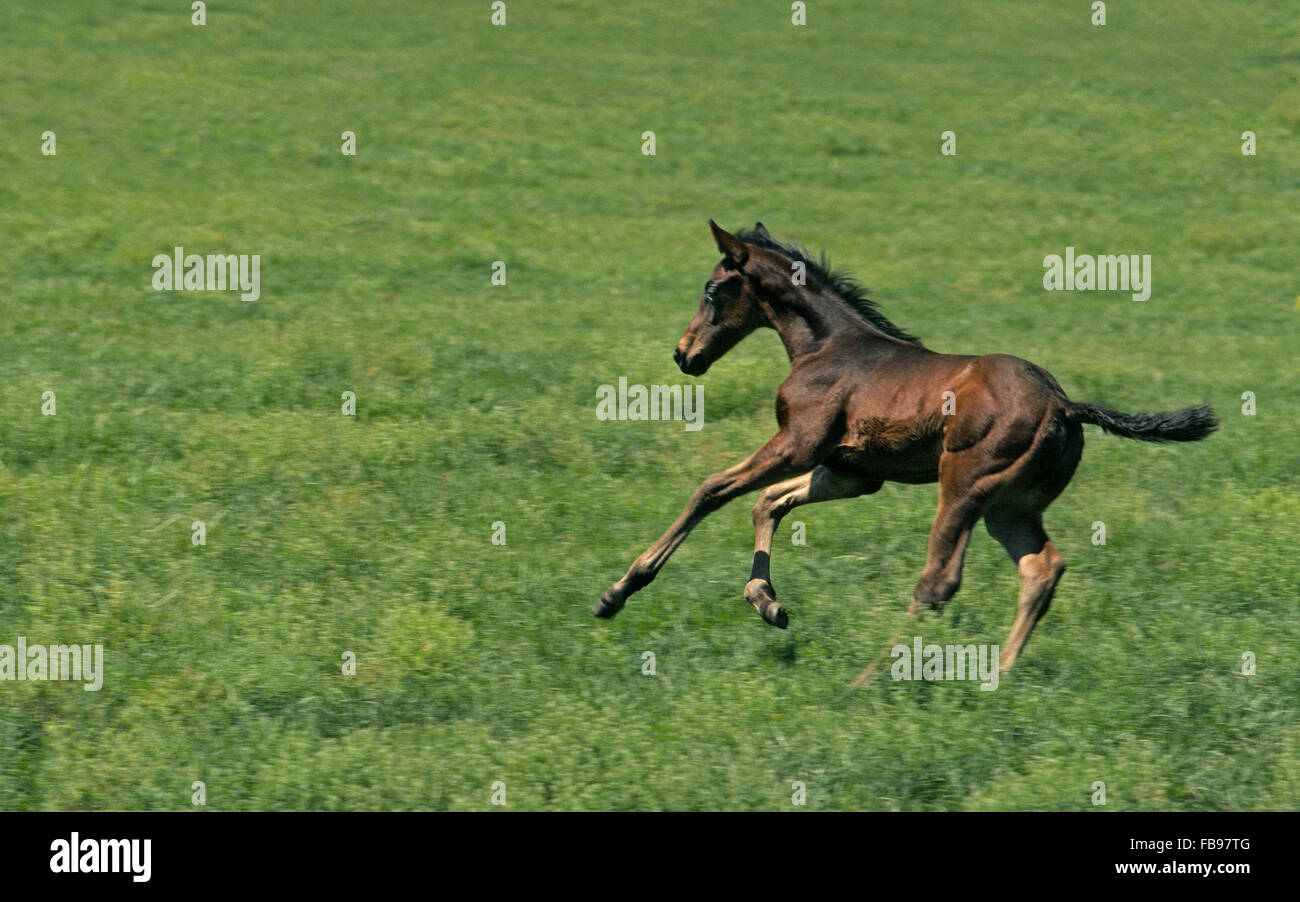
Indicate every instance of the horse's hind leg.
{"type": "Point", "coordinates": [962, 493]}
{"type": "Point", "coordinates": [978, 478]}
{"type": "Point", "coordinates": [948, 540]}
{"type": "Point", "coordinates": [822, 484]}
{"type": "Point", "coordinates": [1041, 566]}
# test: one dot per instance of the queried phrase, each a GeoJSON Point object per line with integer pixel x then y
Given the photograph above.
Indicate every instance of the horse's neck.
{"type": "Point", "coordinates": [806, 319]}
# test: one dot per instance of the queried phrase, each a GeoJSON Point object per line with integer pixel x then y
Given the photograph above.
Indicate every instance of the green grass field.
{"type": "Point", "coordinates": [478, 663]}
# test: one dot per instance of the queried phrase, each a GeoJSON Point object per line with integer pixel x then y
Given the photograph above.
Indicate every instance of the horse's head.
{"type": "Point", "coordinates": [728, 310]}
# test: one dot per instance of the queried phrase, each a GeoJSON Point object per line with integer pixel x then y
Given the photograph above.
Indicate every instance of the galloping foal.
{"type": "Point", "coordinates": [866, 404]}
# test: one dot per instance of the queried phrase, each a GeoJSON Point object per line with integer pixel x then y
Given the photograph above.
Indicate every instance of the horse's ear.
{"type": "Point", "coordinates": [732, 247]}
{"type": "Point", "coordinates": [761, 230]}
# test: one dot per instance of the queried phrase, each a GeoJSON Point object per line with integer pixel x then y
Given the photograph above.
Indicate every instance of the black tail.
{"type": "Point", "coordinates": [1191, 424]}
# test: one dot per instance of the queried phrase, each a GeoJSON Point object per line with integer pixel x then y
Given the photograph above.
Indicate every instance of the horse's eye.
{"type": "Point", "coordinates": [718, 291]}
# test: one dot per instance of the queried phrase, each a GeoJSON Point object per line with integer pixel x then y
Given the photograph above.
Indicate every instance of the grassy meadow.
{"type": "Point", "coordinates": [479, 664]}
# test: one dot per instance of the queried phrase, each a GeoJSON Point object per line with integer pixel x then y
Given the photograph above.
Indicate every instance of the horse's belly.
{"type": "Point", "coordinates": [914, 461]}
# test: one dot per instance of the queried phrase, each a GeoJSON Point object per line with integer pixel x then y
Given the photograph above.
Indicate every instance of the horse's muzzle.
{"type": "Point", "coordinates": [694, 365]}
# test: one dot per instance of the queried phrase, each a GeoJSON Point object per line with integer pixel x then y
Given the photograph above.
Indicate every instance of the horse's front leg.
{"type": "Point", "coordinates": [775, 502]}
{"type": "Point", "coordinates": [773, 462]}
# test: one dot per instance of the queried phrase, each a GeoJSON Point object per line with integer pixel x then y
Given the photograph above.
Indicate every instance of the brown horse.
{"type": "Point", "coordinates": [866, 404]}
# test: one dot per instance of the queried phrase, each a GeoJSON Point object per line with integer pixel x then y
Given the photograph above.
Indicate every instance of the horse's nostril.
{"type": "Point", "coordinates": [677, 356]}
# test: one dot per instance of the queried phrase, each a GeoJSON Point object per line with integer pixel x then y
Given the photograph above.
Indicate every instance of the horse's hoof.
{"type": "Point", "coordinates": [917, 608]}
{"type": "Point", "coordinates": [610, 604]}
{"type": "Point", "coordinates": [762, 596]}
{"type": "Point", "coordinates": [775, 614]}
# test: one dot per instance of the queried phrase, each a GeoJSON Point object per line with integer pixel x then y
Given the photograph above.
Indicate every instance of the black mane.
{"type": "Point", "coordinates": [842, 284]}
